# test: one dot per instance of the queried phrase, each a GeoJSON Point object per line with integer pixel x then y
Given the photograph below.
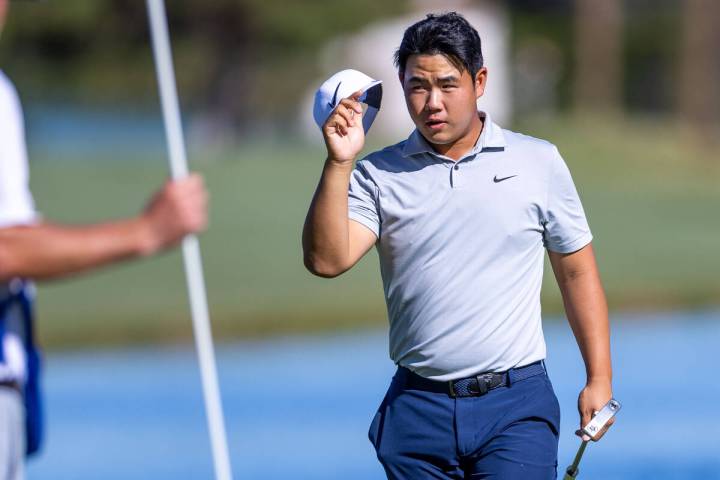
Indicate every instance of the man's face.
{"type": "Point", "coordinates": [441, 99]}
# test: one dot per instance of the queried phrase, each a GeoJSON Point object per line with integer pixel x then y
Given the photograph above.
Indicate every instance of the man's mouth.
{"type": "Point", "coordinates": [435, 124]}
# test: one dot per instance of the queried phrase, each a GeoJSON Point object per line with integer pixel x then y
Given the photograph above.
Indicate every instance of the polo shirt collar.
{"type": "Point", "coordinates": [491, 137]}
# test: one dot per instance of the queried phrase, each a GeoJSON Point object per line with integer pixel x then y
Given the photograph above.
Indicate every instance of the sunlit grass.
{"type": "Point", "coordinates": [651, 197]}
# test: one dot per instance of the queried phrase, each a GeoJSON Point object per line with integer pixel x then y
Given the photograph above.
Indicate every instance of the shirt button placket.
{"type": "Point", "coordinates": [455, 176]}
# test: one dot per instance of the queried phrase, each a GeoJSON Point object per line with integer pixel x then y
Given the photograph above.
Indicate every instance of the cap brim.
{"type": "Point", "coordinates": [371, 95]}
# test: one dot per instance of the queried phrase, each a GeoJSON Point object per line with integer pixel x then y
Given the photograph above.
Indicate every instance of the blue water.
{"type": "Point", "coordinates": [68, 131]}
{"type": "Point", "coordinates": [300, 407]}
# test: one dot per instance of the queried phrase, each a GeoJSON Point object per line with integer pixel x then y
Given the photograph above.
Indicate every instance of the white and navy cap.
{"type": "Point", "coordinates": [342, 85]}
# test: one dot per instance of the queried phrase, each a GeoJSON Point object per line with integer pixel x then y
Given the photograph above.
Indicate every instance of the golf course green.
{"type": "Point", "coordinates": [650, 191]}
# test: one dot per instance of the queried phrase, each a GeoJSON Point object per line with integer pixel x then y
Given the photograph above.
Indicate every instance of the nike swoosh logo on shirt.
{"type": "Point", "coordinates": [334, 99]}
{"type": "Point", "coordinates": [498, 180]}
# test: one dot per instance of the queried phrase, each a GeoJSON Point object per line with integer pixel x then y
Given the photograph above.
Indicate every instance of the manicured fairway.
{"type": "Point", "coordinates": [651, 196]}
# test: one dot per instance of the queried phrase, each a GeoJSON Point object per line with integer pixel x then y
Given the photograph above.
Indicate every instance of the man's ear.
{"type": "Point", "coordinates": [480, 82]}
{"type": "Point", "coordinates": [401, 77]}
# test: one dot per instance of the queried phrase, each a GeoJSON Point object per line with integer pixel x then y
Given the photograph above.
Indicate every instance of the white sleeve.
{"type": "Point", "coordinates": [566, 227]}
{"type": "Point", "coordinates": [362, 199]}
{"type": "Point", "coordinates": [16, 202]}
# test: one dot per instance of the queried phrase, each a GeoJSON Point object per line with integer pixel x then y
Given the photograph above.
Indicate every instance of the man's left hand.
{"type": "Point", "coordinates": [591, 400]}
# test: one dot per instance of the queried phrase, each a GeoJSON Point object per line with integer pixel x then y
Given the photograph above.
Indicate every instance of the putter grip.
{"type": "Point", "coordinates": [571, 473]}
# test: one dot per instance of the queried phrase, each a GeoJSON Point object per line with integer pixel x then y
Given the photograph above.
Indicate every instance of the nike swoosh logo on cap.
{"type": "Point", "coordinates": [333, 103]}
{"type": "Point", "coordinates": [498, 180]}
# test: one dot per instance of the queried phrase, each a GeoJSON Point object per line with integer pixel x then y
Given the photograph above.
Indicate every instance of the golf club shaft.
{"type": "Point", "coordinates": [190, 247]}
{"type": "Point", "coordinates": [572, 471]}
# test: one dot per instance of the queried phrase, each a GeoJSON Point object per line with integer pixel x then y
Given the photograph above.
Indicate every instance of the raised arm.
{"type": "Point", "coordinates": [586, 309]}
{"type": "Point", "coordinates": [46, 250]}
{"type": "Point", "coordinates": [332, 243]}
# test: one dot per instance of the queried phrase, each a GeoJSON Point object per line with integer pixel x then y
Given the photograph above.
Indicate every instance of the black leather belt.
{"type": "Point", "coordinates": [12, 384]}
{"type": "Point", "coordinates": [474, 386]}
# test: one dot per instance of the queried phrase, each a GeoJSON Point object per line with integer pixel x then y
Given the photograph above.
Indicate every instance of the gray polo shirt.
{"type": "Point", "coordinates": [461, 247]}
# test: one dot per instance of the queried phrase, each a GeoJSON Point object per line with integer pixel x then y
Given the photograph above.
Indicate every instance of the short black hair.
{"type": "Point", "coordinates": [447, 34]}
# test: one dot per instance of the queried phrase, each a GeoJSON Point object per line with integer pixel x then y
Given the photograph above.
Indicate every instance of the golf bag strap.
{"type": "Point", "coordinates": [21, 293]}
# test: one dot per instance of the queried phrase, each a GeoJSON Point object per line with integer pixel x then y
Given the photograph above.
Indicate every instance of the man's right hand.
{"type": "Point", "coordinates": [343, 131]}
{"type": "Point", "coordinates": [178, 209]}
{"type": "Point", "coordinates": [45, 250]}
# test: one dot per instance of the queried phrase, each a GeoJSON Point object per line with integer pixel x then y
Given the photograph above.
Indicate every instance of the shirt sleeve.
{"type": "Point", "coordinates": [363, 199]}
{"type": "Point", "coordinates": [566, 228]}
{"type": "Point", "coordinates": [16, 202]}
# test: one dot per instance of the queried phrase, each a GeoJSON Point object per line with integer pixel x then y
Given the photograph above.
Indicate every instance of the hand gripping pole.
{"type": "Point", "coordinates": [190, 246]}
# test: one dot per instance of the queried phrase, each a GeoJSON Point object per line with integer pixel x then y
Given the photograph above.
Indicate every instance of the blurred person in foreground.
{"type": "Point", "coordinates": [461, 214]}
{"type": "Point", "coordinates": [33, 248]}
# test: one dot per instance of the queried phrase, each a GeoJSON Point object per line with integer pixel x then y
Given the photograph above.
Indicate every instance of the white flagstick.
{"type": "Point", "coordinates": [191, 247]}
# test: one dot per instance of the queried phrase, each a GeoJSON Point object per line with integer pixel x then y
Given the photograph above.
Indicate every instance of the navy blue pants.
{"type": "Point", "coordinates": [510, 433]}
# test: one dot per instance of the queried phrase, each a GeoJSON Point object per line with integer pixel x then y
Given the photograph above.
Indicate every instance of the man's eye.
{"type": "Point", "coordinates": [449, 87]}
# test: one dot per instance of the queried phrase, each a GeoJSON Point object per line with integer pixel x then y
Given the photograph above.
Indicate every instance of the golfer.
{"type": "Point", "coordinates": [461, 214]}
{"type": "Point", "coordinates": [34, 248]}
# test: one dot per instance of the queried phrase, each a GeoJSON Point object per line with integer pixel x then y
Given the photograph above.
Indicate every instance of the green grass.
{"type": "Point", "coordinates": [651, 197]}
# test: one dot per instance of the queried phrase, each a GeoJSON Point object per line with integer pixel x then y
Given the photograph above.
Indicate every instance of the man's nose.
{"type": "Point", "coordinates": [434, 100]}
